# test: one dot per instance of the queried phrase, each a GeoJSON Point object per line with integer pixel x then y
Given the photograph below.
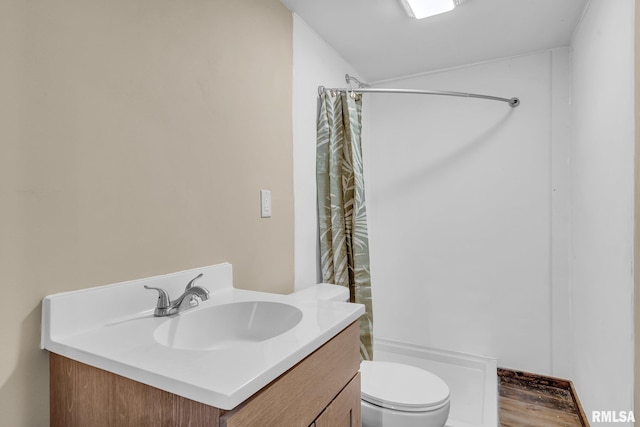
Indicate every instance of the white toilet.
{"type": "Point", "coordinates": [393, 394]}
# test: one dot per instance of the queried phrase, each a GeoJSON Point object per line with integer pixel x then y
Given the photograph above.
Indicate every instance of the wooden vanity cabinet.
{"type": "Point", "coordinates": [323, 390]}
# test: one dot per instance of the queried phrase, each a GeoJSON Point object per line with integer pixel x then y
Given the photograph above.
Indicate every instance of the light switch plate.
{"type": "Point", "coordinates": [265, 203]}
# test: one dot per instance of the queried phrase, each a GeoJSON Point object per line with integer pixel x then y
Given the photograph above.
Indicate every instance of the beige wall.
{"type": "Point", "coordinates": [135, 136]}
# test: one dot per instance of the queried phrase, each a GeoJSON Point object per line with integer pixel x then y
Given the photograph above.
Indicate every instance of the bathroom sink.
{"type": "Point", "coordinates": [219, 353]}
{"type": "Point", "coordinates": [226, 325]}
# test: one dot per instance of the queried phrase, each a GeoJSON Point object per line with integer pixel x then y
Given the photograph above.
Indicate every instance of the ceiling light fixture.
{"type": "Point", "coordinates": [424, 8]}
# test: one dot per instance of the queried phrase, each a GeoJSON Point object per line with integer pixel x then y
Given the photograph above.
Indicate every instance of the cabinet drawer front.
{"type": "Point", "coordinates": [299, 395]}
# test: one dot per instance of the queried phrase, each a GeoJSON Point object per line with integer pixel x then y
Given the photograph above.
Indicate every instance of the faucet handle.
{"type": "Point", "coordinates": [191, 283]}
{"type": "Point", "coordinates": [163, 297]}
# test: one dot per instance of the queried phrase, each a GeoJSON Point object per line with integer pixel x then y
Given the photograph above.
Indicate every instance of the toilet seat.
{"type": "Point", "coordinates": [402, 387]}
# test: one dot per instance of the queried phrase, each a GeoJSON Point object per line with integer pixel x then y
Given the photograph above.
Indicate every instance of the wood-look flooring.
{"type": "Point", "coordinates": [528, 400]}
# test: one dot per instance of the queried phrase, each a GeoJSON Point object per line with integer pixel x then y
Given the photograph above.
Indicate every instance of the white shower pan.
{"type": "Point", "coordinates": [472, 380]}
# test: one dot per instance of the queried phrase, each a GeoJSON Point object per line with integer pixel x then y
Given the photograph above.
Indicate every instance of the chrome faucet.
{"type": "Point", "coordinates": [187, 300]}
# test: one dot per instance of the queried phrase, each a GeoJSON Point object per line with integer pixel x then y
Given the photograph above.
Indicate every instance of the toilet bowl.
{"type": "Point", "coordinates": [400, 395]}
{"type": "Point", "coordinates": [392, 394]}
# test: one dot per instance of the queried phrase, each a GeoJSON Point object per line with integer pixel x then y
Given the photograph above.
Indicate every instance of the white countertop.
{"type": "Point", "coordinates": [78, 325]}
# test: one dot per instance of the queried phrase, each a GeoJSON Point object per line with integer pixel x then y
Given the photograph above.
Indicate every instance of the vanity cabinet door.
{"type": "Point", "coordinates": [345, 409]}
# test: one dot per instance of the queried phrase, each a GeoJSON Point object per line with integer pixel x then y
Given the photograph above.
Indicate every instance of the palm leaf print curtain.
{"type": "Point", "coordinates": [344, 242]}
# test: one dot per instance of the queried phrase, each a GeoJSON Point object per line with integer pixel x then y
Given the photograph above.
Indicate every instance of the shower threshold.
{"type": "Point", "coordinates": [472, 379]}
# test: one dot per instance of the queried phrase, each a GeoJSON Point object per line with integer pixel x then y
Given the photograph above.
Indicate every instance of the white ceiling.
{"type": "Point", "coordinates": [382, 42]}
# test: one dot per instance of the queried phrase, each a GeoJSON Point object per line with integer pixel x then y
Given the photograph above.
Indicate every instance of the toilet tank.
{"type": "Point", "coordinates": [325, 292]}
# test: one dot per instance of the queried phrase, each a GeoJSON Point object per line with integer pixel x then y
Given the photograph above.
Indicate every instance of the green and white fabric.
{"type": "Point", "coordinates": [344, 242]}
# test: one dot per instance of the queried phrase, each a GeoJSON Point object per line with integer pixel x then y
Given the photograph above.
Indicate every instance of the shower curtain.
{"type": "Point", "coordinates": [342, 216]}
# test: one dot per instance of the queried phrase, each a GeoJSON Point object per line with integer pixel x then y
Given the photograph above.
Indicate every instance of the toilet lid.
{"type": "Point", "coordinates": [402, 387]}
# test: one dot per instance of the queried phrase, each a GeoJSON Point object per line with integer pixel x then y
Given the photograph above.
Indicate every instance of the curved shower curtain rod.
{"type": "Point", "coordinates": [364, 88]}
